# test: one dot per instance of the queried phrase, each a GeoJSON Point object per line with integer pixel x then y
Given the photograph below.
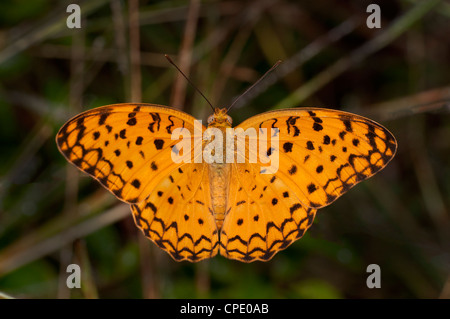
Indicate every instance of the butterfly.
{"type": "Point", "coordinates": [195, 210]}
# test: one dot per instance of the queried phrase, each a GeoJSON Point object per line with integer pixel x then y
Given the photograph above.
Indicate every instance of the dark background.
{"type": "Point", "coordinates": [51, 215]}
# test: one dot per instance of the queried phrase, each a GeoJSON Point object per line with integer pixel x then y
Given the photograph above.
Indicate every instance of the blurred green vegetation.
{"type": "Point", "coordinates": [51, 215]}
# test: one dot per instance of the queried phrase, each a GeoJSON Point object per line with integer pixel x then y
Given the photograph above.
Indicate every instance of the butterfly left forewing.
{"type": "Point", "coordinates": [323, 153]}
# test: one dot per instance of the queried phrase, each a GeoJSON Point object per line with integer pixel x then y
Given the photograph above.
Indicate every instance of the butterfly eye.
{"type": "Point", "coordinates": [210, 119]}
{"type": "Point", "coordinates": [229, 119]}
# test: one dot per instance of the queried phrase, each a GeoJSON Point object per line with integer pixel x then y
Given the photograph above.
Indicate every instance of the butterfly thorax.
{"type": "Point", "coordinates": [220, 119]}
{"type": "Point", "coordinates": [219, 173]}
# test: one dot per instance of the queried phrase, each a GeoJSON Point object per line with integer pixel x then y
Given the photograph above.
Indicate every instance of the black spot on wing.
{"type": "Point", "coordinates": [287, 147]}
{"type": "Point", "coordinates": [290, 122]}
{"type": "Point", "coordinates": [158, 144]}
{"type": "Point", "coordinates": [156, 122]}
{"type": "Point", "coordinates": [136, 183]}
{"type": "Point", "coordinates": [103, 118]}
{"type": "Point", "coordinates": [348, 125]}
{"type": "Point", "coordinates": [293, 170]}
{"type": "Point", "coordinates": [311, 188]}
{"type": "Point", "coordinates": [317, 127]}
{"type": "Point", "coordinates": [132, 121]}
{"type": "Point", "coordinates": [172, 124]}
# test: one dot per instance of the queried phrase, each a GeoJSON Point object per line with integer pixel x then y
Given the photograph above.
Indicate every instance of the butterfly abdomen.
{"type": "Point", "coordinates": [219, 181]}
{"type": "Point", "coordinates": [220, 172]}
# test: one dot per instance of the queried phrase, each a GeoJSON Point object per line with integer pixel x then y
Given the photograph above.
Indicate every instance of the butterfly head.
{"type": "Point", "coordinates": [220, 118]}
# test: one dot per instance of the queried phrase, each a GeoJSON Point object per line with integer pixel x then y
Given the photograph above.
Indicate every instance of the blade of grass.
{"type": "Point", "coordinates": [135, 57]}
{"type": "Point", "coordinates": [88, 286]}
{"type": "Point", "coordinates": [297, 60]}
{"type": "Point", "coordinates": [56, 234]}
{"type": "Point", "coordinates": [434, 100]}
{"type": "Point", "coordinates": [228, 63]}
{"type": "Point", "coordinates": [185, 55]}
{"type": "Point", "coordinates": [49, 28]}
{"type": "Point", "coordinates": [76, 89]}
{"type": "Point", "coordinates": [40, 134]}
{"type": "Point", "coordinates": [220, 34]}
{"type": "Point", "coordinates": [397, 28]}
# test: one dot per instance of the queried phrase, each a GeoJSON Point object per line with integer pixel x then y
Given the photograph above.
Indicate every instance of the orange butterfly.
{"type": "Point", "coordinates": [195, 210]}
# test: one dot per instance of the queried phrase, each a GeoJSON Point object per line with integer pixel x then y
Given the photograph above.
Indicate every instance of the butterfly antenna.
{"type": "Point", "coordinates": [256, 83]}
{"type": "Point", "coordinates": [189, 81]}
